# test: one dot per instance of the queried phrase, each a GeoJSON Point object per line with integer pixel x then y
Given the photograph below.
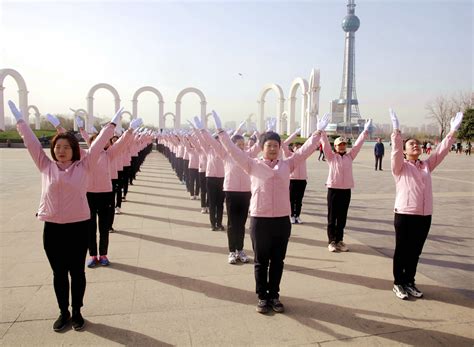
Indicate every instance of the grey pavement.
{"type": "Point", "coordinates": [169, 282]}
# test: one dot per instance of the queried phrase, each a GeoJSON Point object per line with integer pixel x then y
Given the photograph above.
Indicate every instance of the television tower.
{"type": "Point", "coordinates": [348, 96]}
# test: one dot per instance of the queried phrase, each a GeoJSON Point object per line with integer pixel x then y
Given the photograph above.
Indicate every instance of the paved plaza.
{"type": "Point", "coordinates": [169, 282]}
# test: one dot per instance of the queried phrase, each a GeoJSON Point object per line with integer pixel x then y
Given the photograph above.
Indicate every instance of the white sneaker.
{"type": "Point", "coordinates": [192, 197]}
{"type": "Point", "coordinates": [298, 220]}
{"type": "Point", "coordinates": [332, 247]}
{"type": "Point", "coordinates": [342, 247]}
{"type": "Point", "coordinates": [400, 292]}
{"type": "Point", "coordinates": [292, 220]}
{"type": "Point", "coordinates": [232, 258]}
{"type": "Point", "coordinates": [203, 210]}
{"type": "Point", "coordinates": [117, 210]}
{"type": "Point", "coordinates": [242, 256]}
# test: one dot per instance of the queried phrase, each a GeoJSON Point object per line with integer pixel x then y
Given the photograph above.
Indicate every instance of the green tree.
{"type": "Point", "coordinates": [466, 131]}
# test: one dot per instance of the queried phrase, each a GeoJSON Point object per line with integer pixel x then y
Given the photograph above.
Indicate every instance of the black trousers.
{"type": "Point", "coordinates": [216, 198]}
{"type": "Point", "coordinates": [378, 162]}
{"type": "Point", "coordinates": [117, 185]}
{"type": "Point", "coordinates": [237, 204]}
{"type": "Point", "coordinates": [338, 205]}
{"type": "Point", "coordinates": [186, 173]}
{"type": "Point", "coordinates": [179, 168]}
{"type": "Point", "coordinates": [297, 188]}
{"type": "Point", "coordinates": [270, 238]}
{"type": "Point", "coordinates": [125, 176]}
{"type": "Point", "coordinates": [100, 205]}
{"type": "Point", "coordinates": [411, 232]}
{"type": "Point", "coordinates": [134, 166]}
{"type": "Point", "coordinates": [194, 182]}
{"type": "Point", "coordinates": [203, 186]}
{"type": "Point", "coordinates": [66, 248]}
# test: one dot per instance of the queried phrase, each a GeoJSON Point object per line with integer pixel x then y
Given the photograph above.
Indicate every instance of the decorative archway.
{"type": "Point", "coordinates": [78, 112]}
{"type": "Point", "coordinates": [22, 94]}
{"type": "Point", "coordinates": [303, 84]}
{"type": "Point", "coordinates": [160, 103]}
{"type": "Point", "coordinates": [37, 115]}
{"type": "Point", "coordinates": [90, 101]}
{"type": "Point", "coordinates": [129, 114]}
{"type": "Point", "coordinates": [178, 104]}
{"type": "Point", "coordinates": [280, 105]}
{"type": "Point", "coordinates": [164, 119]}
{"type": "Point", "coordinates": [313, 102]}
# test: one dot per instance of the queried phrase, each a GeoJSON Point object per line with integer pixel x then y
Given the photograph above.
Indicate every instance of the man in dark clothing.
{"type": "Point", "coordinates": [379, 152]}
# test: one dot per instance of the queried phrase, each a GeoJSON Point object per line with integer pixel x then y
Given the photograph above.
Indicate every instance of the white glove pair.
{"type": "Point", "coordinates": [271, 124]}
{"type": "Point", "coordinates": [455, 121]}
{"type": "Point", "coordinates": [135, 123]}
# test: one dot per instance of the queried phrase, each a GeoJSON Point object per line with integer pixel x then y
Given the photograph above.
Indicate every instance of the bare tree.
{"type": "Point", "coordinates": [440, 110]}
{"type": "Point", "coordinates": [443, 108]}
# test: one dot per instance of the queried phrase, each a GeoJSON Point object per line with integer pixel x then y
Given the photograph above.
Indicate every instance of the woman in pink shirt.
{"type": "Point", "coordinates": [339, 183]}
{"type": "Point", "coordinates": [270, 225]}
{"type": "Point", "coordinates": [413, 203]}
{"type": "Point", "coordinates": [65, 211]}
{"type": "Point", "coordinates": [297, 180]}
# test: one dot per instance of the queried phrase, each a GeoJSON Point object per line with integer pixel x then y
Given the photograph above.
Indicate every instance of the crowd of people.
{"type": "Point", "coordinates": [263, 178]}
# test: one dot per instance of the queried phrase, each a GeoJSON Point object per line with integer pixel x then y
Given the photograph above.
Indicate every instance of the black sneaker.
{"type": "Point", "coordinates": [62, 321]}
{"type": "Point", "coordinates": [413, 291]}
{"type": "Point", "coordinates": [400, 292]}
{"type": "Point", "coordinates": [220, 227]}
{"type": "Point", "coordinates": [262, 306]}
{"type": "Point", "coordinates": [277, 306]}
{"type": "Point", "coordinates": [77, 321]}
{"type": "Point", "coordinates": [213, 228]}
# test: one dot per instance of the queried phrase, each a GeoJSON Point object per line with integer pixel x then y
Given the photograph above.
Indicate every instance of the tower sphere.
{"type": "Point", "coordinates": [350, 23]}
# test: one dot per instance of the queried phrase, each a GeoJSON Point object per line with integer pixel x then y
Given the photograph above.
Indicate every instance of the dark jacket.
{"type": "Point", "coordinates": [379, 149]}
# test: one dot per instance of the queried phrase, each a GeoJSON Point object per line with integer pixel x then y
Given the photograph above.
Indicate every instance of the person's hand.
{"type": "Point", "coordinates": [298, 131]}
{"type": "Point", "coordinates": [217, 120]}
{"type": "Point", "coordinates": [94, 130]}
{"type": "Point", "coordinates": [240, 127]}
{"type": "Point", "coordinates": [79, 122]}
{"type": "Point", "coordinates": [368, 124]}
{"type": "Point", "coordinates": [53, 120]}
{"type": "Point", "coordinates": [135, 123]}
{"type": "Point", "coordinates": [323, 122]}
{"type": "Point", "coordinates": [271, 125]}
{"type": "Point", "coordinates": [191, 124]}
{"type": "Point", "coordinates": [394, 119]}
{"type": "Point", "coordinates": [456, 121]}
{"type": "Point", "coordinates": [117, 117]}
{"type": "Point", "coordinates": [16, 113]}
{"type": "Point", "coordinates": [198, 123]}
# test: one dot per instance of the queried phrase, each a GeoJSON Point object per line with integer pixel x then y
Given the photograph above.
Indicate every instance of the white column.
{"type": "Point", "coordinates": [23, 93]}
{"type": "Point", "coordinates": [2, 109]}
{"type": "Point", "coordinates": [161, 120]}
{"type": "Point", "coordinates": [177, 116]}
{"type": "Point", "coordinates": [281, 108]}
{"type": "Point", "coordinates": [37, 121]}
{"type": "Point", "coordinates": [90, 111]}
{"type": "Point", "coordinates": [292, 126]}
{"type": "Point", "coordinates": [261, 115]}
{"type": "Point", "coordinates": [134, 108]}
{"type": "Point", "coordinates": [203, 113]}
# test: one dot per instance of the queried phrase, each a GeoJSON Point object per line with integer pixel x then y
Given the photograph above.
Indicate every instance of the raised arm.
{"type": "Point", "coordinates": [442, 149]}
{"type": "Point", "coordinates": [397, 157]}
{"type": "Point", "coordinates": [308, 148]}
{"type": "Point", "coordinates": [30, 140]}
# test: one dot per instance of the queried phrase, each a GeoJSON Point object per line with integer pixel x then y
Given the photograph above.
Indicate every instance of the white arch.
{"type": "Point", "coordinates": [280, 104]}
{"type": "Point", "coordinates": [129, 114]}
{"type": "Point", "coordinates": [160, 103]}
{"type": "Point", "coordinates": [37, 115]}
{"type": "Point", "coordinates": [169, 114]}
{"type": "Point", "coordinates": [313, 102]}
{"type": "Point", "coordinates": [178, 104]}
{"type": "Point", "coordinates": [303, 84]}
{"type": "Point", "coordinates": [22, 94]}
{"type": "Point", "coordinates": [90, 101]}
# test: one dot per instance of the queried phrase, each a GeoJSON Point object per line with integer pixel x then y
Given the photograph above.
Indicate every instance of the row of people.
{"type": "Point", "coordinates": [76, 187]}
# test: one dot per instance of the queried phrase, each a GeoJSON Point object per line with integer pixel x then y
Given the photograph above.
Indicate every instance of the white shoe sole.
{"type": "Point", "coordinates": [400, 296]}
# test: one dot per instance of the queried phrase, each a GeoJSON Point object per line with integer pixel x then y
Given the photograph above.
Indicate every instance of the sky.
{"type": "Point", "coordinates": [407, 53]}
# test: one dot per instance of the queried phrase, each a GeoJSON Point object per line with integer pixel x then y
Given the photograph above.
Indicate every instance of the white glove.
{"type": "Point", "coordinates": [368, 124]}
{"type": "Point", "coordinates": [271, 123]}
{"type": "Point", "coordinates": [240, 127]}
{"type": "Point", "coordinates": [298, 131]}
{"type": "Point", "coordinates": [117, 117]}
{"type": "Point", "coordinates": [393, 117]}
{"type": "Point", "coordinates": [191, 124]}
{"type": "Point", "coordinates": [79, 122]}
{"type": "Point", "coordinates": [323, 122]}
{"type": "Point", "coordinates": [217, 120]}
{"type": "Point", "coordinates": [15, 111]}
{"type": "Point", "coordinates": [53, 120]}
{"type": "Point", "coordinates": [456, 121]}
{"type": "Point", "coordinates": [198, 123]}
{"type": "Point", "coordinates": [94, 130]}
{"type": "Point", "coordinates": [135, 123]}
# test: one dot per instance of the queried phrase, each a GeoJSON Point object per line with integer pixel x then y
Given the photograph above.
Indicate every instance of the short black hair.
{"type": "Point", "coordinates": [76, 151]}
{"type": "Point", "coordinates": [270, 135]}
{"type": "Point", "coordinates": [236, 138]}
